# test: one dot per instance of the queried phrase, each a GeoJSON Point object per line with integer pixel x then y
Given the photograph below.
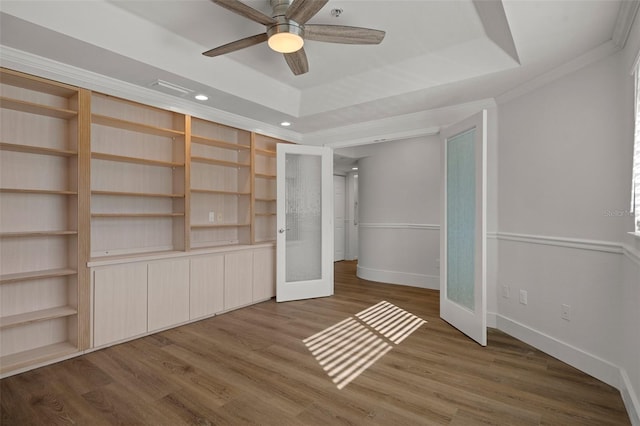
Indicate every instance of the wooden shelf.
{"type": "Point", "coordinates": [36, 234]}
{"type": "Point", "coordinates": [30, 149]}
{"type": "Point", "coordinates": [37, 191]}
{"type": "Point", "coordinates": [35, 316]}
{"type": "Point", "coordinates": [265, 152]}
{"type": "Point", "coordinates": [35, 275]}
{"type": "Point", "coordinates": [218, 162]}
{"type": "Point", "coordinates": [266, 214]}
{"type": "Point", "coordinates": [135, 215]}
{"type": "Point", "coordinates": [220, 225]}
{"type": "Point", "coordinates": [202, 140]}
{"type": "Point", "coordinates": [134, 127]}
{"type": "Point", "coordinates": [137, 194]}
{"type": "Point", "coordinates": [134, 160]}
{"type": "Point", "coordinates": [35, 356]}
{"type": "Point", "coordinates": [266, 200]}
{"type": "Point", "coordinates": [32, 108]}
{"type": "Point", "coordinates": [265, 176]}
{"type": "Point", "coordinates": [215, 191]}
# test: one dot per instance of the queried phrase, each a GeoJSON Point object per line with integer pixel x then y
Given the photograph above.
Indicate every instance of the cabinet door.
{"type": "Point", "coordinates": [238, 279]}
{"type": "Point", "coordinates": [264, 274]}
{"type": "Point", "coordinates": [207, 286]}
{"type": "Point", "coordinates": [120, 303]}
{"type": "Point", "coordinates": [168, 293]}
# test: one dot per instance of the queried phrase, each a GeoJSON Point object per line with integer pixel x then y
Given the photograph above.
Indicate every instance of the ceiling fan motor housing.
{"type": "Point", "coordinates": [284, 25]}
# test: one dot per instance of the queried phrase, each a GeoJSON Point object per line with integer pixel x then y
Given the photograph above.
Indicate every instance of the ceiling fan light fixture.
{"type": "Point", "coordinates": [285, 36]}
{"type": "Point", "coordinates": [285, 42]}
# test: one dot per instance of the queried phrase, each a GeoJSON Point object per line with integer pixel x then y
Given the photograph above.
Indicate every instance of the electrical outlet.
{"type": "Point", "coordinates": [566, 312]}
{"type": "Point", "coordinates": [523, 297]}
{"type": "Point", "coordinates": [220, 217]}
{"type": "Point", "coordinates": [212, 217]}
{"type": "Point", "coordinates": [506, 291]}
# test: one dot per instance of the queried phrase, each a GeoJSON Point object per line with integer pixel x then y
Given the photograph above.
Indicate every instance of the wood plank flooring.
{"type": "Point", "coordinates": [250, 366]}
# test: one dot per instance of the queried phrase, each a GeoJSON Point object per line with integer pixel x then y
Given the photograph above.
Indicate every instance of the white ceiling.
{"type": "Point", "coordinates": [436, 54]}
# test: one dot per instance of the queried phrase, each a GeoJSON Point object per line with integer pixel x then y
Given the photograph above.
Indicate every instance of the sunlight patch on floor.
{"type": "Point", "coordinates": [348, 348]}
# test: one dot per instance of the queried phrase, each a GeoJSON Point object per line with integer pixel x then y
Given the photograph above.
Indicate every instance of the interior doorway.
{"type": "Point", "coordinates": [339, 217]}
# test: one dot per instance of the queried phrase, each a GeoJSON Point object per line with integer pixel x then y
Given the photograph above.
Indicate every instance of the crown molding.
{"type": "Point", "coordinates": [594, 55]}
{"type": "Point", "coordinates": [421, 123]}
{"type": "Point", "coordinates": [626, 15]}
{"type": "Point", "coordinates": [58, 71]}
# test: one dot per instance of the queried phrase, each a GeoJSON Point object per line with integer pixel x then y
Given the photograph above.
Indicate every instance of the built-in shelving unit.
{"type": "Point", "coordinates": [163, 206]}
{"type": "Point", "coordinates": [44, 210]}
{"type": "Point", "coordinates": [220, 184]}
{"type": "Point", "coordinates": [137, 178]}
{"type": "Point", "coordinates": [264, 194]}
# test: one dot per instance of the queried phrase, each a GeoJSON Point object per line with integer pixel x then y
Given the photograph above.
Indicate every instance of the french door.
{"type": "Point", "coordinates": [463, 299]}
{"type": "Point", "coordinates": [305, 222]}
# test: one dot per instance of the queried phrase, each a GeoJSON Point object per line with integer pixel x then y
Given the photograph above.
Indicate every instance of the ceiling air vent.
{"type": "Point", "coordinates": [170, 88]}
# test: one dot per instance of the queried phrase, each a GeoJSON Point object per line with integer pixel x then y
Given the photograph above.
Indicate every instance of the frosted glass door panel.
{"type": "Point", "coordinates": [303, 205]}
{"type": "Point", "coordinates": [461, 219]}
{"type": "Point", "coordinates": [463, 239]}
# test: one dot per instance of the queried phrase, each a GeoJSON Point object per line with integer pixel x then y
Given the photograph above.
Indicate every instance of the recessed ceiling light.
{"type": "Point", "coordinates": [201, 97]}
{"type": "Point", "coordinates": [285, 124]}
{"type": "Point", "coordinates": [354, 168]}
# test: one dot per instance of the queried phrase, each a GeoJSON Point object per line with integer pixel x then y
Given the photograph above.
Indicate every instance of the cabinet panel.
{"type": "Point", "coordinates": [120, 303]}
{"type": "Point", "coordinates": [264, 274]}
{"type": "Point", "coordinates": [238, 279]}
{"type": "Point", "coordinates": [207, 286]}
{"type": "Point", "coordinates": [168, 293]}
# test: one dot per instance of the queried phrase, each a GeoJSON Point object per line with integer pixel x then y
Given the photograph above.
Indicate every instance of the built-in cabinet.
{"type": "Point", "coordinates": [165, 208]}
{"type": "Point", "coordinates": [152, 295]}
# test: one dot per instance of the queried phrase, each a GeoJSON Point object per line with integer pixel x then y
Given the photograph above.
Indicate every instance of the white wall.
{"type": "Point", "coordinates": [399, 192]}
{"type": "Point", "coordinates": [564, 167]}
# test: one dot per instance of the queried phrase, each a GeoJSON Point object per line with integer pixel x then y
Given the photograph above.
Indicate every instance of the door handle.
{"type": "Point", "coordinates": [281, 230]}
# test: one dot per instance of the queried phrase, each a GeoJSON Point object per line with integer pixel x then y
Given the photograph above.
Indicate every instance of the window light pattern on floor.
{"type": "Point", "coordinates": [348, 348]}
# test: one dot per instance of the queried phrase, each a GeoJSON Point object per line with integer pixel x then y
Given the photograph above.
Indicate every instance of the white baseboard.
{"type": "Point", "coordinates": [631, 401]}
{"type": "Point", "coordinates": [431, 282]}
{"type": "Point", "coordinates": [492, 320]}
{"type": "Point", "coordinates": [591, 364]}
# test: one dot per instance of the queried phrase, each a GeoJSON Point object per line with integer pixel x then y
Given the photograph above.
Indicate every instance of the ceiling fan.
{"type": "Point", "coordinates": [287, 29]}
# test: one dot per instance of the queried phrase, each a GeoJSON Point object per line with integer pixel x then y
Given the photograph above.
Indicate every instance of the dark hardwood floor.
{"type": "Point", "coordinates": [251, 366]}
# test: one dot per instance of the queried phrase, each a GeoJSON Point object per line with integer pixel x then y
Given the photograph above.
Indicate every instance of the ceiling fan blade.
{"type": "Point", "coordinates": [343, 34]}
{"type": "Point", "coordinates": [246, 11]}
{"type": "Point", "coordinates": [297, 61]}
{"type": "Point", "coordinates": [237, 45]}
{"type": "Point", "coordinates": [301, 11]}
